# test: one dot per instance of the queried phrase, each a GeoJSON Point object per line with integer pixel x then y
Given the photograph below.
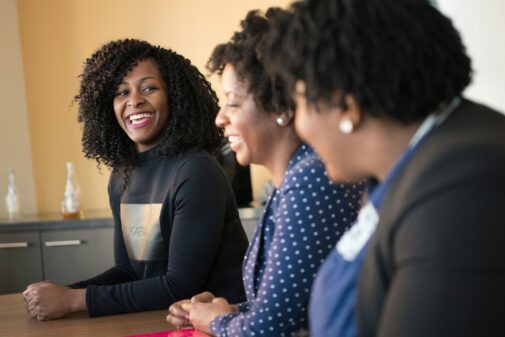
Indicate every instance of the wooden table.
{"type": "Point", "coordinates": [15, 322]}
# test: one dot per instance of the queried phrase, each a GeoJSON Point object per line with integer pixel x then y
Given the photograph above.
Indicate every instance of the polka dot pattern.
{"type": "Point", "coordinates": [301, 223]}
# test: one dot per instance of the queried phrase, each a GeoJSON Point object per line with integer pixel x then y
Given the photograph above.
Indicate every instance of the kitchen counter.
{"type": "Point", "coordinates": [50, 221]}
{"type": "Point", "coordinates": [65, 250]}
{"type": "Point", "coordinates": [90, 219]}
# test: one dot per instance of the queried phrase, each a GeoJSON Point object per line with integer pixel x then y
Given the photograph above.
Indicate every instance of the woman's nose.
{"type": "Point", "coordinates": [221, 118]}
{"type": "Point", "coordinates": [135, 99]}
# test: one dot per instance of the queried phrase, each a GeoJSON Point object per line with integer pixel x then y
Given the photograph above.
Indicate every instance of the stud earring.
{"type": "Point", "coordinates": [281, 121]}
{"type": "Point", "coordinates": [345, 126]}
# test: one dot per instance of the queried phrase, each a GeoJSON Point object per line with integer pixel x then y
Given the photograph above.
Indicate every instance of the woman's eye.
{"type": "Point", "coordinates": [233, 105]}
{"type": "Point", "coordinates": [121, 93]}
{"type": "Point", "coordinates": [149, 89]}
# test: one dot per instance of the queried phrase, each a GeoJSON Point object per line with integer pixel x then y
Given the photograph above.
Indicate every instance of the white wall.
{"type": "Point", "coordinates": [15, 150]}
{"type": "Point", "coordinates": [482, 26]}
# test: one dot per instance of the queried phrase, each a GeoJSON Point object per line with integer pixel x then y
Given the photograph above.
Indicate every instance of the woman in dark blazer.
{"type": "Point", "coordinates": [378, 87]}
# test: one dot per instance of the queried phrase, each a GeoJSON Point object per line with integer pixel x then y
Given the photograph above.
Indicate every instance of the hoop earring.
{"type": "Point", "coordinates": [281, 121]}
{"type": "Point", "coordinates": [345, 126]}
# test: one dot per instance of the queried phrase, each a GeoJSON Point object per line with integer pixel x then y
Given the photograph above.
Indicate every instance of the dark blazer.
{"type": "Point", "coordinates": [436, 263]}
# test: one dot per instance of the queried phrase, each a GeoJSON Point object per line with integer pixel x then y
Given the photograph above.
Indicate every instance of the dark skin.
{"type": "Point", "coordinates": [236, 118]}
{"type": "Point", "coordinates": [47, 300]}
{"type": "Point", "coordinates": [142, 92]}
{"type": "Point", "coordinates": [199, 311]}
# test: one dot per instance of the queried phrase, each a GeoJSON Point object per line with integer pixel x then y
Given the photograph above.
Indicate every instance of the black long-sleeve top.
{"type": "Point", "coordinates": [177, 233]}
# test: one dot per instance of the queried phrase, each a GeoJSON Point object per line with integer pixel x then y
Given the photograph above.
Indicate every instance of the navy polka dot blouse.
{"type": "Point", "coordinates": [301, 223]}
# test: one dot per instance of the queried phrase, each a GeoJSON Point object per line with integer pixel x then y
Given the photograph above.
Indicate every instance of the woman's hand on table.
{"type": "Point", "coordinates": [201, 314]}
{"type": "Point", "coordinates": [178, 316]}
{"type": "Point", "coordinates": [47, 300]}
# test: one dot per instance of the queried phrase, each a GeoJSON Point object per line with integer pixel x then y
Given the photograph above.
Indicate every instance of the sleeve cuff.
{"type": "Point", "coordinates": [219, 324]}
{"type": "Point", "coordinates": [243, 307]}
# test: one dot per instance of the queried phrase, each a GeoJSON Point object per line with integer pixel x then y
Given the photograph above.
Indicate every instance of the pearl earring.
{"type": "Point", "coordinates": [345, 126]}
{"type": "Point", "coordinates": [281, 121]}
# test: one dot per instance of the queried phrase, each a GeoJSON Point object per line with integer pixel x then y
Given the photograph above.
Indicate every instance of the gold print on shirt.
{"type": "Point", "coordinates": [141, 230]}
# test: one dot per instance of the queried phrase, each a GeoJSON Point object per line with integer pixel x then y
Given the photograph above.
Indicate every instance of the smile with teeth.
{"type": "Point", "coordinates": [234, 139]}
{"type": "Point", "coordinates": [139, 118]}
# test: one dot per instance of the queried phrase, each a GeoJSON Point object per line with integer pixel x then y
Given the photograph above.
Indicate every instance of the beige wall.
{"type": "Point", "coordinates": [15, 148]}
{"type": "Point", "coordinates": [57, 36]}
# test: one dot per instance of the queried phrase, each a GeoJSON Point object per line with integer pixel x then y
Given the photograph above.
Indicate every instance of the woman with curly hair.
{"type": "Point", "coordinates": [304, 216]}
{"type": "Point", "coordinates": [378, 87]}
{"type": "Point", "coordinates": [149, 115]}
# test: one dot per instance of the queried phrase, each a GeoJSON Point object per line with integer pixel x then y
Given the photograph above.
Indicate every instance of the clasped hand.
{"type": "Point", "coordinates": [199, 311]}
{"type": "Point", "coordinates": [47, 300]}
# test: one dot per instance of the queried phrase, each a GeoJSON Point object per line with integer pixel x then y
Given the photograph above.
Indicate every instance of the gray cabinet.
{"type": "Point", "coordinates": [61, 250]}
{"type": "Point", "coordinates": [20, 261]}
{"type": "Point", "coordinates": [76, 254]}
{"type": "Point", "coordinates": [64, 251]}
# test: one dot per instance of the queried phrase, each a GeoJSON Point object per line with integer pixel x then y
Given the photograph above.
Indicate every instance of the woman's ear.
{"type": "Point", "coordinates": [285, 118]}
{"type": "Point", "coordinates": [350, 115]}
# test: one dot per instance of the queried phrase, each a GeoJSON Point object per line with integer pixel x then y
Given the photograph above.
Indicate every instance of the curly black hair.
{"type": "Point", "coordinates": [398, 58]}
{"type": "Point", "coordinates": [192, 104]}
{"type": "Point", "coordinates": [242, 52]}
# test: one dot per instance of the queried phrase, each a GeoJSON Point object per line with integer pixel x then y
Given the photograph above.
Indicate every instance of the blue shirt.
{"type": "Point", "coordinates": [333, 299]}
{"type": "Point", "coordinates": [302, 221]}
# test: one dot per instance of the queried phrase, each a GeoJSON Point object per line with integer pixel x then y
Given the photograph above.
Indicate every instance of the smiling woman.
{"type": "Point", "coordinates": [149, 115]}
{"type": "Point", "coordinates": [141, 105]}
{"type": "Point", "coordinates": [304, 216]}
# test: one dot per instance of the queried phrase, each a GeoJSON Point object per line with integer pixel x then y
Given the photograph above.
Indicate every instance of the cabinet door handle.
{"type": "Point", "coordinates": [63, 243]}
{"type": "Point", "coordinates": [13, 245]}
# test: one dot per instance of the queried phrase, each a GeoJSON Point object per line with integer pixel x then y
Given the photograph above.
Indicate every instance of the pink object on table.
{"type": "Point", "coordinates": [174, 333]}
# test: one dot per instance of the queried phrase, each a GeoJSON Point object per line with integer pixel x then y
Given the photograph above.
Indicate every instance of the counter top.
{"type": "Point", "coordinates": [90, 219]}
{"type": "Point", "coordinates": [45, 221]}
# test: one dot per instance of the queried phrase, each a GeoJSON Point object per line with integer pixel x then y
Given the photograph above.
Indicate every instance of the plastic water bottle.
{"type": "Point", "coordinates": [12, 197]}
{"type": "Point", "coordinates": [71, 204]}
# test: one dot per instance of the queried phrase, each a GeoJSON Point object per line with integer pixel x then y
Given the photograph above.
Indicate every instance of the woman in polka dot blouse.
{"type": "Point", "coordinates": [304, 216]}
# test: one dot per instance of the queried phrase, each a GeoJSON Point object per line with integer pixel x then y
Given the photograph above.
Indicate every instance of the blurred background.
{"type": "Point", "coordinates": [45, 42]}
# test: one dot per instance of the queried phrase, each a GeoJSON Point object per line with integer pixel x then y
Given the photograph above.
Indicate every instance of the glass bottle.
{"type": "Point", "coordinates": [71, 204]}
{"type": "Point", "coordinates": [12, 196]}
